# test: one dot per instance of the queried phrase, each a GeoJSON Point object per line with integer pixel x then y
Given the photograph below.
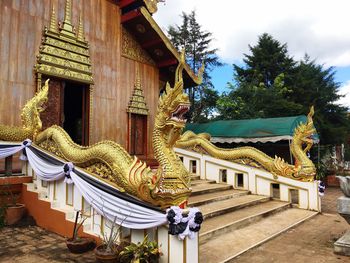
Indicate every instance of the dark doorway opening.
{"type": "Point", "coordinates": [276, 191]}
{"type": "Point", "coordinates": [76, 111]}
{"type": "Point", "coordinates": [68, 107]}
{"type": "Point", "coordinates": [240, 180]}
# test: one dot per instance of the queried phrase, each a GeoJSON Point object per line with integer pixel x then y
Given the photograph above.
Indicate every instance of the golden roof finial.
{"type": "Point", "coordinates": [137, 103]}
{"type": "Point", "coordinates": [53, 21]}
{"type": "Point", "coordinates": [68, 12]}
{"type": "Point", "coordinates": [152, 5]}
{"type": "Point", "coordinates": [80, 34]}
{"type": "Point", "coordinates": [137, 84]}
{"type": "Point", "coordinates": [67, 27]}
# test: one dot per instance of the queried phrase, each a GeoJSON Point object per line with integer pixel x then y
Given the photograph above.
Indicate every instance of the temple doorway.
{"type": "Point", "coordinates": [69, 107]}
{"type": "Point", "coordinates": [76, 111]}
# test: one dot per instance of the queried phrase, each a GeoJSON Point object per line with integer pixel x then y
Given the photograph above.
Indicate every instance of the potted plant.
{"type": "Point", "coordinates": [142, 252]}
{"type": "Point", "coordinates": [78, 244]}
{"type": "Point", "coordinates": [109, 250]}
{"type": "Point", "coordinates": [11, 211]}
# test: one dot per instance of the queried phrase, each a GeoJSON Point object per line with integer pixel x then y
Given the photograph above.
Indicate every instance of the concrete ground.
{"type": "Point", "coordinates": [33, 244]}
{"type": "Point", "coordinates": [311, 241]}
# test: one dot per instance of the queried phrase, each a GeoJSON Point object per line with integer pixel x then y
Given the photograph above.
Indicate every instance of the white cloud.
{"type": "Point", "coordinates": [345, 90]}
{"type": "Point", "coordinates": [317, 27]}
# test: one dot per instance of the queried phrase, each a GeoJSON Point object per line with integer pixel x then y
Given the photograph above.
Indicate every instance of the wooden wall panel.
{"type": "Point", "coordinates": [21, 26]}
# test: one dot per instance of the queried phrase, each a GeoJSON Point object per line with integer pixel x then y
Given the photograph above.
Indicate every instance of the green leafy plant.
{"type": "Point", "coordinates": [321, 171]}
{"type": "Point", "coordinates": [8, 199]}
{"type": "Point", "coordinates": [142, 252]}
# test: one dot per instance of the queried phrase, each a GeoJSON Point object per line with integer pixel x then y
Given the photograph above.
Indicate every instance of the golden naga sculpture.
{"type": "Point", "coordinates": [303, 170]}
{"type": "Point", "coordinates": [152, 5]}
{"type": "Point", "coordinates": [168, 185]}
{"type": "Point", "coordinates": [30, 118]}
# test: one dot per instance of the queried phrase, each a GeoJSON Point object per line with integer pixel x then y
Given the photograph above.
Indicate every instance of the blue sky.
{"type": "Point", "coordinates": [222, 75]}
{"type": "Point", "coordinates": [319, 28]}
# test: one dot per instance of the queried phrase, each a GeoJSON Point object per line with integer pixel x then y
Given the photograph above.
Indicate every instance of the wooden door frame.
{"type": "Point", "coordinates": [145, 155]}
{"type": "Point", "coordinates": [86, 104]}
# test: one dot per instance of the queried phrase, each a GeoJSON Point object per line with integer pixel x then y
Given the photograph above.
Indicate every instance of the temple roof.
{"type": "Point", "coordinates": [137, 20]}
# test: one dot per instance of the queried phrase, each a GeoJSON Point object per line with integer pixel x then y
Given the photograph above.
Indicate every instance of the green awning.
{"type": "Point", "coordinates": [251, 130]}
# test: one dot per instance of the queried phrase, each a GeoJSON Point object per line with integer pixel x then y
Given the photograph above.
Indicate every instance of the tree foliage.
{"type": "Point", "coordinates": [197, 43]}
{"type": "Point", "coordinates": [272, 84]}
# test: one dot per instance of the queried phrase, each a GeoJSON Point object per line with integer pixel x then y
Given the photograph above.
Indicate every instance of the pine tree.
{"type": "Point", "coordinates": [272, 84]}
{"type": "Point", "coordinates": [268, 59]}
{"type": "Point", "coordinates": [315, 85]}
{"type": "Point", "coordinates": [197, 43]}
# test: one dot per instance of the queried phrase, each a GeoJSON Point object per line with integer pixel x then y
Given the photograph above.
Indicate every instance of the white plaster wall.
{"type": "Point", "coordinates": [137, 235]}
{"type": "Point", "coordinates": [258, 181]}
{"type": "Point", "coordinates": [176, 250]}
{"type": "Point", "coordinates": [263, 186]}
{"type": "Point", "coordinates": [163, 241]}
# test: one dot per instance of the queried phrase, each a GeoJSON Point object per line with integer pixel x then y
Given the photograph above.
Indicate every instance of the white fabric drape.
{"type": "Point", "coordinates": [43, 169]}
{"type": "Point", "coordinates": [128, 214]}
{"type": "Point", "coordinates": [11, 150]}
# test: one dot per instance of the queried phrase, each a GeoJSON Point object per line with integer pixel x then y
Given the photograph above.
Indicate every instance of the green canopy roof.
{"type": "Point", "coordinates": [251, 130]}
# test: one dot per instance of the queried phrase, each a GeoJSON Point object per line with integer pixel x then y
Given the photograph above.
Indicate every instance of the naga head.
{"type": "Point", "coordinates": [304, 132]}
{"type": "Point", "coordinates": [171, 184]}
{"type": "Point", "coordinates": [172, 106]}
{"type": "Point", "coordinates": [303, 140]}
{"type": "Point", "coordinates": [30, 114]}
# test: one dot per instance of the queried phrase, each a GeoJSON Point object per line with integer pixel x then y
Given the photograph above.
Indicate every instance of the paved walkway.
{"type": "Point", "coordinates": [311, 241]}
{"type": "Point", "coordinates": [34, 244]}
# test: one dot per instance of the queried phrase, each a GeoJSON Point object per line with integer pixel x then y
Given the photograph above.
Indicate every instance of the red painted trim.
{"type": "Point", "coordinates": [130, 16]}
{"type": "Point", "coordinates": [167, 63]}
{"type": "Point", "coordinates": [15, 180]}
{"type": "Point", "coordinates": [152, 43]}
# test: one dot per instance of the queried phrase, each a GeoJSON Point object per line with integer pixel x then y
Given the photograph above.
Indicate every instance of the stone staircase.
{"type": "Point", "coordinates": [236, 221]}
{"type": "Point", "coordinates": [66, 211]}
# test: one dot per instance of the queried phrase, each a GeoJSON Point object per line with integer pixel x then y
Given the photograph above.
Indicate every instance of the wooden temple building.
{"type": "Point", "coordinates": [107, 62]}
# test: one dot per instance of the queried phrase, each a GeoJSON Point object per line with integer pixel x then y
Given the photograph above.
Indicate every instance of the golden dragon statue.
{"type": "Point", "coordinates": [30, 118]}
{"type": "Point", "coordinates": [303, 170]}
{"type": "Point", "coordinates": [166, 186]}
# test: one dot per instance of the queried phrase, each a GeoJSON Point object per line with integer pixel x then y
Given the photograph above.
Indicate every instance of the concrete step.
{"type": "Point", "coordinates": [199, 189]}
{"type": "Point", "coordinates": [203, 199]}
{"type": "Point", "coordinates": [229, 205]}
{"type": "Point", "coordinates": [42, 194]}
{"type": "Point", "coordinates": [55, 204]}
{"type": "Point", "coordinates": [68, 210]}
{"type": "Point", "coordinates": [195, 177]}
{"type": "Point", "coordinates": [226, 247]}
{"type": "Point", "coordinates": [197, 182]}
{"type": "Point", "coordinates": [219, 225]}
{"type": "Point", "coordinates": [30, 187]}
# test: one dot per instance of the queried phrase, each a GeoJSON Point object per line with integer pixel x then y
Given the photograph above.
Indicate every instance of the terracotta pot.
{"type": "Point", "coordinates": [103, 256]}
{"type": "Point", "coordinates": [14, 214]}
{"type": "Point", "coordinates": [331, 180]}
{"type": "Point", "coordinates": [80, 245]}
